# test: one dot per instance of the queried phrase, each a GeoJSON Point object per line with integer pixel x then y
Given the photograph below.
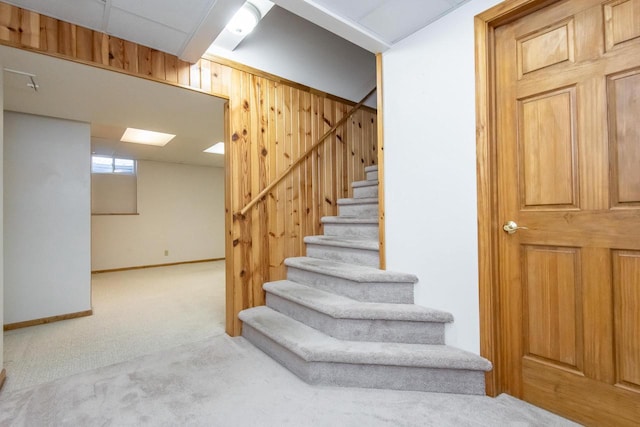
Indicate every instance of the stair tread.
{"type": "Point", "coordinates": [361, 201]}
{"type": "Point", "coordinates": [367, 183]}
{"type": "Point", "coordinates": [371, 168]}
{"type": "Point", "coordinates": [348, 220]}
{"type": "Point", "coordinates": [342, 307]}
{"type": "Point", "coordinates": [314, 346]}
{"type": "Point", "coordinates": [355, 273]}
{"type": "Point", "coordinates": [341, 242]}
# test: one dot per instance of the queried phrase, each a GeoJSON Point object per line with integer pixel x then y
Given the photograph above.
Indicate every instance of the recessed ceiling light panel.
{"type": "Point", "coordinates": [147, 137]}
{"type": "Point", "coordinates": [217, 148]}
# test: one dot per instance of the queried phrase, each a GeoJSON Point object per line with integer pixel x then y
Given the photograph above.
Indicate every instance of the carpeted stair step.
{"type": "Point", "coordinates": [361, 208]}
{"type": "Point", "coordinates": [342, 226]}
{"type": "Point", "coordinates": [371, 172]}
{"type": "Point", "coordinates": [349, 250]}
{"type": "Point", "coordinates": [320, 359]}
{"type": "Point", "coordinates": [365, 189]}
{"type": "Point", "coordinates": [348, 319]}
{"type": "Point", "coordinates": [354, 281]}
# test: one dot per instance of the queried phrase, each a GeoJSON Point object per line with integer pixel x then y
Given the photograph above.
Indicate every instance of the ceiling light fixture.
{"type": "Point", "coordinates": [147, 137]}
{"type": "Point", "coordinates": [217, 148]}
{"type": "Point", "coordinates": [245, 20]}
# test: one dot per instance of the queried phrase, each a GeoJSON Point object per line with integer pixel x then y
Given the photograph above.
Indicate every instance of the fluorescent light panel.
{"type": "Point", "coordinates": [147, 137]}
{"type": "Point", "coordinates": [217, 148]}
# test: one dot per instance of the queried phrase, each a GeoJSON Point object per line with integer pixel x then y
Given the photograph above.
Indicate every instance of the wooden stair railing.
{"type": "Point", "coordinates": [306, 154]}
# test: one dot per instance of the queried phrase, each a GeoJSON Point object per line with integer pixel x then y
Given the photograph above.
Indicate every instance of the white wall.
{"type": "Point", "coordinates": [314, 57]}
{"type": "Point", "coordinates": [429, 119]}
{"type": "Point", "coordinates": [181, 209]}
{"type": "Point", "coordinates": [46, 217]}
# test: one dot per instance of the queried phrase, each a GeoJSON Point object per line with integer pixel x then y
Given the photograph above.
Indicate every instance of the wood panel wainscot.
{"type": "Point", "coordinates": [271, 121]}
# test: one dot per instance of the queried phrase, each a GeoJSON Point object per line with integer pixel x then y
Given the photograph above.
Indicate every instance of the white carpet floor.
{"type": "Point", "coordinates": [135, 312]}
{"type": "Point", "coordinates": [155, 354]}
{"type": "Point", "coordinates": [226, 381]}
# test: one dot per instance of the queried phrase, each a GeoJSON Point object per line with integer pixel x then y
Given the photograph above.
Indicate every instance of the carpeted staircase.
{"type": "Point", "coordinates": [339, 320]}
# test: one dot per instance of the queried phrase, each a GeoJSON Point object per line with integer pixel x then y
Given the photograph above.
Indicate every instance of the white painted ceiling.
{"type": "Point", "coordinates": [374, 25]}
{"type": "Point", "coordinates": [111, 102]}
{"type": "Point", "coordinates": [187, 27]}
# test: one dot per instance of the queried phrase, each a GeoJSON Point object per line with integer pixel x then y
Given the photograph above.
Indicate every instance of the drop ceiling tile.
{"type": "Point", "coordinates": [87, 13]}
{"type": "Point", "coordinates": [145, 32]}
{"type": "Point", "coordinates": [395, 20]}
{"type": "Point", "coordinates": [184, 15]}
{"type": "Point", "coordinates": [353, 9]}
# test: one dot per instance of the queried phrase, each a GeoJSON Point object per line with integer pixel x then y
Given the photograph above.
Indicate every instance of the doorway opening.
{"type": "Point", "coordinates": [177, 225]}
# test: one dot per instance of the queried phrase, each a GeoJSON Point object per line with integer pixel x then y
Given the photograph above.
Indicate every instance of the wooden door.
{"type": "Point", "coordinates": [568, 165]}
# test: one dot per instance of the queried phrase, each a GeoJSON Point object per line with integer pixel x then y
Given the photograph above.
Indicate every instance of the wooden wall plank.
{"type": "Point", "coordinates": [328, 159]}
{"type": "Point", "coordinates": [100, 47]}
{"type": "Point", "coordinates": [130, 57]}
{"type": "Point", "coordinates": [340, 168]}
{"type": "Point", "coordinates": [184, 72]}
{"type": "Point", "coordinates": [281, 164]}
{"type": "Point", "coordinates": [157, 65]}
{"type": "Point", "coordinates": [116, 53]}
{"type": "Point", "coordinates": [287, 107]}
{"type": "Point", "coordinates": [234, 289]}
{"type": "Point", "coordinates": [48, 33]}
{"type": "Point", "coordinates": [10, 23]}
{"type": "Point", "coordinates": [84, 44]}
{"type": "Point", "coordinates": [263, 161]}
{"type": "Point", "coordinates": [231, 319]}
{"type": "Point", "coordinates": [296, 175]}
{"type": "Point", "coordinates": [66, 39]}
{"type": "Point", "coordinates": [259, 255]}
{"type": "Point", "coordinates": [244, 164]}
{"type": "Point", "coordinates": [30, 29]}
{"type": "Point", "coordinates": [220, 78]}
{"type": "Point", "coordinates": [272, 198]}
{"type": "Point", "coordinates": [171, 68]}
{"type": "Point", "coordinates": [144, 61]}
{"type": "Point", "coordinates": [315, 164]}
{"type": "Point", "coordinates": [306, 209]}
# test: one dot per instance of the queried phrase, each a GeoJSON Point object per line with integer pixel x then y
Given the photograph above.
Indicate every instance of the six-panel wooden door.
{"type": "Point", "coordinates": [568, 164]}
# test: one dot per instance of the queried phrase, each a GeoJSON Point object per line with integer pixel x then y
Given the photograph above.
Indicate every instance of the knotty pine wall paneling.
{"type": "Point", "coordinates": [271, 123]}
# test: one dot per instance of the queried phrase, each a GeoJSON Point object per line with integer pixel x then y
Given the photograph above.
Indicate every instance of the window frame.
{"type": "Point", "coordinates": [113, 165]}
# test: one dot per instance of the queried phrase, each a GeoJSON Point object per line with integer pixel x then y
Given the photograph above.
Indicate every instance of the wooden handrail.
{"type": "Point", "coordinates": [307, 153]}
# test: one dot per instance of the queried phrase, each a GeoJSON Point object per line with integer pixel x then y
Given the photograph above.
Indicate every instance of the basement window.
{"type": "Point", "coordinates": [114, 186]}
{"type": "Point", "coordinates": [101, 164]}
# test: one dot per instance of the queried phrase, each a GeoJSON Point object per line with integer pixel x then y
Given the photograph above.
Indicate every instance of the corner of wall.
{"type": "Point", "coordinates": [1, 221]}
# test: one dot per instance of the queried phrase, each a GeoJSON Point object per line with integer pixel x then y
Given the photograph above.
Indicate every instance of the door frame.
{"type": "Point", "coordinates": [491, 345]}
